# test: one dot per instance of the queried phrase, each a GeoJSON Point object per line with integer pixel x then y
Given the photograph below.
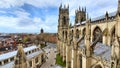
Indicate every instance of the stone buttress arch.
{"type": "Point", "coordinates": [105, 35]}
{"type": "Point", "coordinates": [99, 65]}
{"type": "Point", "coordinates": [83, 31]}
{"type": "Point", "coordinates": [112, 34]}
{"type": "Point", "coordinates": [77, 33]}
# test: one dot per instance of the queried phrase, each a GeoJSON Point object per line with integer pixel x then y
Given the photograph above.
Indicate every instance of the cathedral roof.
{"type": "Point", "coordinates": [13, 53]}
{"type": "Point", "coordinates": [82, 44]}
{"type": "Point", "coordinates": [33, 54]}
{"type": "Point", "coordinates": [103, 50]}
{"type": "Point", "coordinates": [11, 64]}
{"type": "Point", "coordinates": [113, 14]}
{"type": "Point", "coordinates": [8, 65]}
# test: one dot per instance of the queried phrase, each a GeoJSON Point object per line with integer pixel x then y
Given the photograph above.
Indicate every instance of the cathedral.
{"type": "Point", "coordinates": [89, 43]}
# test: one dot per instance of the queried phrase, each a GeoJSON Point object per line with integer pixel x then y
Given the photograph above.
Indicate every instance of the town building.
{"type": "Point", "coordinates": [29, 57]}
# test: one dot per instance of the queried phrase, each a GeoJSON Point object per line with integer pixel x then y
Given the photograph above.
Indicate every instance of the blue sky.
{"type": "Point", "coordinates": [29, 16]}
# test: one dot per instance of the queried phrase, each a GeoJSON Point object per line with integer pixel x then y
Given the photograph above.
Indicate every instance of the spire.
{"type": "Point", "coordinates": [82, 9]}
{"type": "Point", "coordinates": [85, 9]}
{"type": "Point", "coordinates": [90, 19]}
{"type": "Point", "coordinates": [70, 24]}
{"type": "Point", "coordinates": [64, 6]}
{"type": "Point", "coordinates": [106, 15]}
{"type": "Point", "coordinates": [79, 8]}
{"type": "Point", "coordinates": [68, 6]}
{"type": "Point", "coordinates": [118, 9]}
{"type": "Point", "coordinates": [60, 6]}
{"type": "Point", "coordinates": [87, 17]}
{"type": "Point", "coordinates": [75, 11]}
{"type": "Point", "coordinates": [42, 31]}
{"type": "Point", "coordinates": [20, 61]}
{"type": "Point", "coordinates": [118, 5]}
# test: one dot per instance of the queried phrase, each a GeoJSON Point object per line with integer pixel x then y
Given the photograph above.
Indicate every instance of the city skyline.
{"type": "Point", "coordinates": [28, 16]}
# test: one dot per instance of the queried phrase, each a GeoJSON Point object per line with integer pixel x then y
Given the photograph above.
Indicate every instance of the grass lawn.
{"type": "Point", "coordinates": [59, 61]}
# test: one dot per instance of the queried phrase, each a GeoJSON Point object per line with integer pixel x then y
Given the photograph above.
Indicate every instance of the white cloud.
{"type": "Point", "coordinates": [74, 4]}
{"type": "Point", "coordinates": [37, 20]}
{"type": "Point", "coordinates": [8, 21]}
{"type": "Point", "coordinates": [23, 21]}
{"type": "Point", "coordinates": [36, 3]}
{"type": "Point", "coordinates": [43, 3]}
{"type": "Point", "coordinates": [2, 11]}
{"type": "Point", "coordinates": [22, 13]}
{"type": "Point", "coordinates": [10, 3]}
{"type": "Point", "coordinates": [49, 24]}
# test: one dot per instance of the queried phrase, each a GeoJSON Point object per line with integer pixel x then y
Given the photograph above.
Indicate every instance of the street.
{"type": "Point", "coordinates": [51, 55]}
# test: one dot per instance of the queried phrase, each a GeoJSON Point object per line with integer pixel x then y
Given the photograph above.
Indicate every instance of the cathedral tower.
{"type": "Point", "coordinates": [41, 31]}
{"type": "Point", "coordinates": [63, 23]}
{"type": "Point", "coordinates": [63, 16]}
{"type": "Point", "coordinates": [80, 15]}
{"type": "Point", "coordinates": [119, 6]}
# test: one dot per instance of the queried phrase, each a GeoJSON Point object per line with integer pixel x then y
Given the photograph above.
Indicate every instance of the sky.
{"type": "Point", "coordinates": [29, 16]}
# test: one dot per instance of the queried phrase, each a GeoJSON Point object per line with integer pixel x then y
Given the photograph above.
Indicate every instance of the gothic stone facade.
{"type": "Point", "coordinates": [31, 59]}
{"type": "Point", "coordinates": [90, 43]}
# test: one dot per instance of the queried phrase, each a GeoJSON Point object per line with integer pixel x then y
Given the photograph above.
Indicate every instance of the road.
{"type": "Point", "coordinates": [51, 54]}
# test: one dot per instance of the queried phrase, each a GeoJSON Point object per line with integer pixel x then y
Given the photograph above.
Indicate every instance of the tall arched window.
{"type": "Point", "coordinates": [64, 20]}
{"type": "Point", "coordinates": [113, 35]}
{"type": "Point", "coordinates": [98, 66]}
{"type": "Point", "coordinates": [72, 33]}
{"type": "Point", "coordinates": [96, 33]}
{"type": "Point", "coordinates": [112, 65]}
{"type": "Point", "coordinates": [77, 31]}
{"type": "Point", "coordinates": [105, 33]}
{"type": "Point", "coordinates": [84, 31]}
{"type": "Point", "coordinates": [65, 34]}
{"type": "Point", "coordinates": [80, 61]}
{"type": "Point", "coordinates": [42, 58]}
